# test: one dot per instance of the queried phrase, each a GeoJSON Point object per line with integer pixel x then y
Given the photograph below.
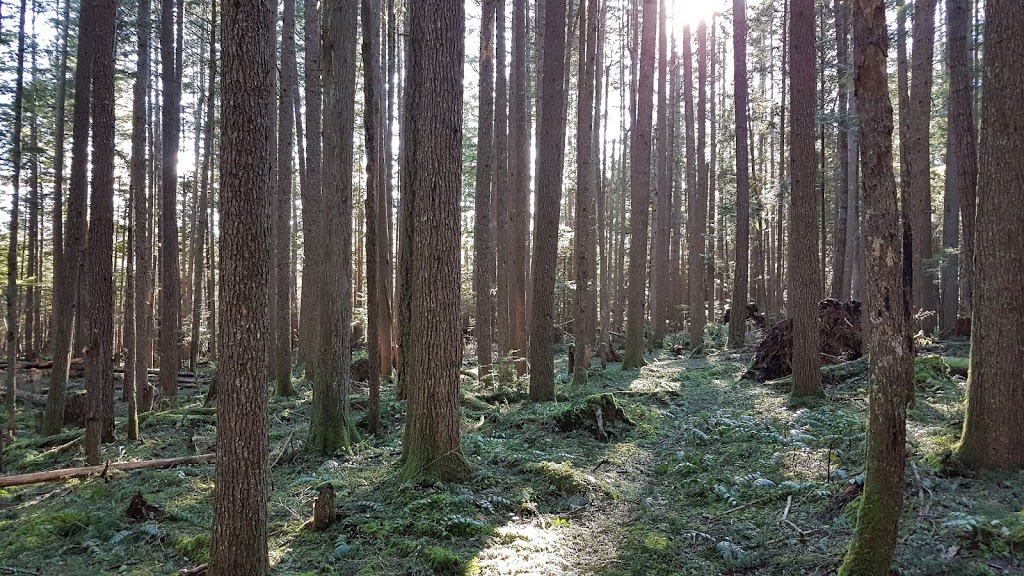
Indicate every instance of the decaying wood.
{"type": "Point", "coordinates": [323, 508]}
{"type": "Point", "coordinates": [65, 473]}
{"type": "Point", "coordinates": [839, 329]}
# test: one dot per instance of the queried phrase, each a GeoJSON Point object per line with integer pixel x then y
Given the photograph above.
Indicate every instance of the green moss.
{"type": "Point", "coordinates": [195, 548]}
{"type": "Point", "coordinates": [562, 477]}
{"type": "Point", "coordinates": [442, 560]}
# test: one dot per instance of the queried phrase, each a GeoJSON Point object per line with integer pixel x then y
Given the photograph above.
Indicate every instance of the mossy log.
{"type": "Point", "coordinates": [599, 414]}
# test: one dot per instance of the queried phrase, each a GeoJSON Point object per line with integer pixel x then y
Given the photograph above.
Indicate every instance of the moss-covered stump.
{"type": "Point", "coordinates": [600, 415]}
{"type": "Point", "coordinates": [75, 408]}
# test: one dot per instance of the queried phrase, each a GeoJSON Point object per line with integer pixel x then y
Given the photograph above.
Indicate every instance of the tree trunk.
{"type": "Point", "coordinates": [311, 193]}
{"type": "Point", "coordinates": [550, 156]}
{"type": "Point", "coordinates": [239, 544]}
{"type": "Point", "coordinates": [993, 432]}
{"type": "Point", "coordinates": [919, 163]}
{"type": "Point", "coordinates": [376, 230]}
{"type": "Point", "coordinates": [660, 277]}
{"type": "Point", "coordinates": [330, 425]}
{"type": "Point", "coordinates": [709, 250]}
{"type": "Point", "coordinates": [842, 149]}
{"type": "Point", "coordinates": [519, 193]}
{"type": "Point", "coordinates": [586, 183]}
{"type": "Point", "coordinates": [170, 280]}
{"type": "Point", "coordinates": [430, 339]}
{"type": "Point", "coordinates": [950, 280]}
{"type": "Point", "coordinates": [281, 353]}
{"type": "Point", "coordinates": [483, 255]}
{"type": "Point", "coordinates": [640, 185]}
{"type": "Point", "coordinates": [141, 240]}
{"type": "Point", "coordinates": [502, 196]}
{"type": "Point", "coordinates": [99, 376]}
{"type": "Point", "coordinates": [12, 250]}
{"type": "Point", "coordinates": [65, 306]}
{"type": "Point", "coordinates": [962, 133]}
{"type": "Point", "coordinates": [804, 276]}
{"type": "Point", "coordinates": [738, 308]}
{"type": "Point", "coordinates": [889, 341]}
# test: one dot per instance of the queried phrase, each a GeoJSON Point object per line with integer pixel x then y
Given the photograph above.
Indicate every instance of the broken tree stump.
{"type": "Point", "coordinates": [323, 508]}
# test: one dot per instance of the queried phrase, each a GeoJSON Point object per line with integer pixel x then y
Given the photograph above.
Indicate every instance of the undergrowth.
{"type": "Point", "coordinates": [706, 474]}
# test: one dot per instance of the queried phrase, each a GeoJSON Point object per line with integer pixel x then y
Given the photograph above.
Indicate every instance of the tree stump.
{"type": "Point", "coordinates": [323, 508]}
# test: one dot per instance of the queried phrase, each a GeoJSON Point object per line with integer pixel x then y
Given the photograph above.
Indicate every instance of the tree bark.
{"type": "Point", "coordinates": [519, 193]}
{"type": "Point", "coordinates": [993, 432]}
{"type": "Point", "coordinates": [586, 185]}
{"type": "Point", "coordinates": [239, 543]}
{"type": "Point", "coordinates": [331, 428]}
{"type": "Point", "coordinates": [662, 193]}
{"type": "Point", "coordinates": [65, 305]}
{"type": "Point", "coordinates": [738, 308]}
{"type": "Point", "coordinates": [804, 276]}
{"type": "Point", "coordinates": [99, 377]}
{"type": "Point", "coordinates": [483, 254]}
{"type": "Point", "coordinates": [550, 156]}
{"type": "Point", "coordinates": [962, 133]}
{"type": "Point", "coordinates": [919, 203]}
{"type": "Point", "coordinates": [842, 25]}
{"type": "Point", "coordinates": [281, 353]}
{"type": "Point", "coordinates": [640, 193]}
{"type": "Point", "coordinates": [502, 196]}
{"type": "Point", "coordinates": [12, 249]}
{"type": "Point", "coordinates": [311, 193]}
{"type": "Point", "coordinates": [376, 227]}
{"type": "Point", "coordinates": [889, 341]}
{"type": "Point", "coordinates": [950, 271]}
{"type": "Point", "coordinates": [429, 337]}
{"type": "Point", "coordinates": [170, 279]}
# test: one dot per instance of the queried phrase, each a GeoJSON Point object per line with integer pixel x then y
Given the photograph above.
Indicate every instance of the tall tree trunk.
{"type": "Point", "coordinates": [962, 132]}
{"type": "Point", "coordinates": [483, 255]}
{"type": "Point", "coordinates": [692, 241]}
{"type": "Point", "coordinates": [550, 156]}
{"type": "Point", "coordinates": [502, 197]}
{"type": "Point", "coordinates": [919, 203]}
{"type": "Point", "coordinates": [842, 153]}
{"type": "Point", "coordinates": [65, 286]}
{"type": "Point", "coordinates": [738, 308]}
{"type": "Point", "coordinates": [697, 205]}
{"type": "Point", "coordinates": [888, 341]}
{"type": "Point", "coordinates": [12, 249]}
{"type": "Point", "coordinates": [170, 280]}
{"type": "Point", "coordinates": [311, 193]}
{"type": "Point", "coordinates": [805, 284]}
{"type": "Point", "coordinates": [140, 394]}
{"type": "Point", "coordinates": [640, 185]}
{"type": "Point", "coordinates": [852, 200]}
{"type": "Point", "coordinates": [99, 376]}
{"type": "Point", "coordinates": [239, 543]}
{"type": "Point", "coordinates": [662, 192]}
{"type": "Point", "coordinates": [430, 339]}
{"type": "Point", "coordinates": [58, 171]}
{"type": "Point", "coordinates": [950, 281]}
{"type": "Point", "coordinates": [709, 251]}
{"type": "Point", "coordinates": [519, 193]}
{"type": "Point", "coordinates": [376, 227]}
{"type": "Point", "coordinates": [331, 428]}
{"type": "Point", "coordinates": [281, 353]}
{"type": "Point", "coordinates": [586, 184]}
{"type": "Point", "coordinates": [993, 432]}
{"type": "Point", "coordinates": [29, 346]}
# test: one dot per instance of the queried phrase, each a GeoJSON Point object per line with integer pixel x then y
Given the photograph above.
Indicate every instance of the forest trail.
{"type": "Point", "coordinates": [713, 475]}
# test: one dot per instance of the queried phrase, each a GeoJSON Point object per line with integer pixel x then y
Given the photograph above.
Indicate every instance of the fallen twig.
{"type": "Point", "coordinates": [789, 502]}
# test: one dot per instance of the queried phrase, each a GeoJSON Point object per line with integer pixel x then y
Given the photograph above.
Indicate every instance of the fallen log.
{"type": "Point", "coordinates": [65, 473]}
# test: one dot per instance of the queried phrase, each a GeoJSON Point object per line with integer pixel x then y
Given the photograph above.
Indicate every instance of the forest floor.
{"type": "Point", "coordinates": [710, 475]}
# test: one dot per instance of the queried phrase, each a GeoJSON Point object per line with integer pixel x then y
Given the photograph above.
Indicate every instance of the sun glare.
{"type": "Point", "coordinates": [692, 12]}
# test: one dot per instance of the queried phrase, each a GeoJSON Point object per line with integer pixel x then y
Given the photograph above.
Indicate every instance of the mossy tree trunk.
{"type": "Point", "coordinates": [330, 425]}
{"type": "Point", "coordinates": [889, 342]}
{"type": "Point", "coordinates": [993, 430]}
{"type": "Point", "coordinates": [429, 337]}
